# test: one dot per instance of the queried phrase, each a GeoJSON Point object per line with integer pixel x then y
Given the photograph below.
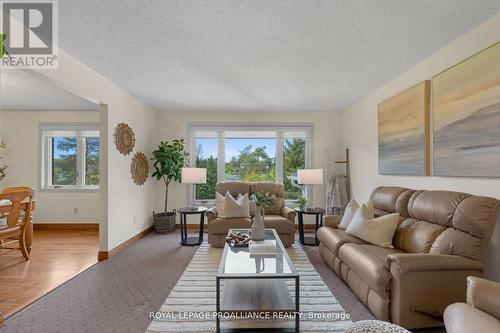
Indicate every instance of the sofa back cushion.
{"type": "Point", "coordinates": [391, 199]}
{"type": "Point", "coordinates": [446, 222]}
{"type": "Point", "coordinates": [277, 189]}
{"type": "Point", "coordinates": [232, 187]}
{"type": "Point", "coordinates": [236, 188]}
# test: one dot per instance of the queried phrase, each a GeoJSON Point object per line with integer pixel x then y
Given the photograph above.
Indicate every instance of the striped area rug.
{"type": "Point", "coordinates": [190, 302]}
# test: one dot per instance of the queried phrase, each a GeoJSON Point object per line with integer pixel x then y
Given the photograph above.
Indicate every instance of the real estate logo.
{"type": "Point", "coordinates": [28, 38]}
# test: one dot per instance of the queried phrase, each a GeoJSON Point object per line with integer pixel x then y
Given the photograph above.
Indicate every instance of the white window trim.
{"type": "Point", "coordinates": [80, 130]}
{"type": "Point", "coordinates": [221, 128]}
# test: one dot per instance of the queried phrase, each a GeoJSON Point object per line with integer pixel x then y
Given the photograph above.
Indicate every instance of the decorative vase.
{"type": "Point", "coordinates": [258, 232]}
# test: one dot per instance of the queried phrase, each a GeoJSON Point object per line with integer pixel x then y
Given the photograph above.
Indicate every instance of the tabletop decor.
{"type": "Point", "coordinates": [124, 138]}
{"type": "Point", "coordinates": [466, 108]}
{"type": "Point", "coordinates": [168, 160]}
{"type": "Point", "coordinates": [403, 133]}
{"type": "Point", "coordinates": [3, 167]}
{"type": "Point", "coordinates": [260, 200]}
{"type": "Point", "coordinates": [237, 239]}
{"type": "Point", "coordinates": [139, 168]}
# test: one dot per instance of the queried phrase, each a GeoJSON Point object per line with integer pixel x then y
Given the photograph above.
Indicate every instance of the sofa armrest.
{"type": "Point", "coordinates": [331, 221]}
{"type": "Point", "coordinates": [424, 284]}
{"type": "Point", "coordinates": [484, 295]}
{"type": "Point", "coordinates": [288, 213]}
{"type": "Point", "coordinates": [421, 262]}
{"type": "Point", "coordinates": [211, 214]}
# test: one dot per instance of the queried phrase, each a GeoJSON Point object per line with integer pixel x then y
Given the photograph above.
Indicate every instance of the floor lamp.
{"type": "Point", "coordinates": [310, 177]}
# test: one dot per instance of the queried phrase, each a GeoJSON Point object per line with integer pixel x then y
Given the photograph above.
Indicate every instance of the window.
{"type": "Point", "coordinates": [250, 160]}
{"type": "Point", "coordinates": [206, 157]}
{"type": "Point", "coordinates": [70, 157]}
{"type": "Point", "coordinates": [249, 153]}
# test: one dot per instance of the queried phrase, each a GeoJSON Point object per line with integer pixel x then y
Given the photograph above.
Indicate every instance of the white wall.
{"type": "Point", "coordinates": [326, 136]}
{"type": "Point", "coordinates": [126, 207]}
{"type": "Point", "coordinates": [20, 130]}
{"type": "Point", "coordinates": [360, 131]}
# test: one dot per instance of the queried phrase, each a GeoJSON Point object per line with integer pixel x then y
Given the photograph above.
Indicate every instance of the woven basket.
{"type": "Point", "coordinates": [164, 223]}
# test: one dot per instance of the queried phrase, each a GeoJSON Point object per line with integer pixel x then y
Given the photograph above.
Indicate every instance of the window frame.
{"type": "Point", "coordinates": [222, 128]}
{"type": "Point", "coordinates": [47, 131]}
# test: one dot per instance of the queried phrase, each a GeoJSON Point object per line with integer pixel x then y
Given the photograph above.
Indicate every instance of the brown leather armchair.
{"type": "Point", "coordinates": [278, 216]}
{"type": "Point", "coordinates": [481, 313]}
{"type": "Point", "coordinates": [441, 239]}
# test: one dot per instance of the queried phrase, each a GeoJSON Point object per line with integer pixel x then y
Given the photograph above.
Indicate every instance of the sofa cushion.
{"type": "Point", "coordinates": [233, 187]}
{"type": "Point", "coordinates": [333, 239]}
{"type": "Point", "coordinates": [222, 226]}
{"type": "Point", "coordinates": [280, 223]}
{"type": "Point", "coordinates": [369, 262]}
{"type": "Point", "coordinates": [276, 188]}
{"type": "Point", "coordinates": [391, 199]}
{"type": "Point", "coordinates": [416, 236]}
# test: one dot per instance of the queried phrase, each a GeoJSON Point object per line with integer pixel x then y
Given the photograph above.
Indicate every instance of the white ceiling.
{"type": "Point", "coordinates": [260, 55]}
{"type": "Point", "coordinates": [20, 91]}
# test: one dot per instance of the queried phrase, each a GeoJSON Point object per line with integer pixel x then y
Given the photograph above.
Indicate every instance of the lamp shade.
{"type": "Point", "coordinates": [194, 175]}
{"type": "Point", "coordinates": [310, 176]}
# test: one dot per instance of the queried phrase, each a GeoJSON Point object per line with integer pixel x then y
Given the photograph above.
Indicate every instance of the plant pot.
{"type": "Point", "coordinates": [164, 223]}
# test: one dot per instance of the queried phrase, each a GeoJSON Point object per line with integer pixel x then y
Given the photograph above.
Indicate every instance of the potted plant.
{"type": "Point", "coordinates": [302, 202]}
{"type": "Point", "coordinates": [169, 158]}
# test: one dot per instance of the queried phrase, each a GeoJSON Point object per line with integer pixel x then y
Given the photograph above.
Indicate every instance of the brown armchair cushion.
{"type": "Point", "coordinates": [222, 226]}
{"type": "Point", "coordinates": [280, 223]}
{"type": "Point", "coordinates": [484, 295]}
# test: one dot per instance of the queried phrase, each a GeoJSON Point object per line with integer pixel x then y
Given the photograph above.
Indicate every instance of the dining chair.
{"type": "Point", "coordinates": [16, 223]}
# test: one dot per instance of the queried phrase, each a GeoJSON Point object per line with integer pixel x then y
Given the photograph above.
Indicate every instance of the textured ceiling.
{"type": "Point", "coordinates": [260, 55]}
{"type": "Point", "coordinates": [20, 91]}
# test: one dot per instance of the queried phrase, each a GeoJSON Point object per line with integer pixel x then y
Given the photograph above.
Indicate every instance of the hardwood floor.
{"type": "Point", "coordinates": [56, 257]}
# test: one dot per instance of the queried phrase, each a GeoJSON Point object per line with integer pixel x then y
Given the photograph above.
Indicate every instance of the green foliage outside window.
{"type": "Point", "coordinates": [64, 160]}
{"type": "Point", "coordinates": [252, 165]}
{"type": "Point", "coordinates": [92, 161]}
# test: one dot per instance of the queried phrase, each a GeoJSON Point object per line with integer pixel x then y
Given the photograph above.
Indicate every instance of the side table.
{"type": "Point", "coordinates": [318, 213]}
{"type": "Point", "coordinates": [184, 212]}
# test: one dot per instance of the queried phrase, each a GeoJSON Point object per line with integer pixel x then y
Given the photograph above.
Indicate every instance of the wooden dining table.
{"type": "Point", "coordinates": [5, 207]}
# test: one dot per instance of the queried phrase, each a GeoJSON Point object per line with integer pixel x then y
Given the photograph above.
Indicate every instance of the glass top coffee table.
{"type": "Point", "coordinates": [257, 285]}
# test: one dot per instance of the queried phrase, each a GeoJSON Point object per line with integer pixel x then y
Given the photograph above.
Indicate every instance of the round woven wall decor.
{"type": "Point", "coordinates": [124, 138]}
{"type": "Point", "coordinates": [139, 168]}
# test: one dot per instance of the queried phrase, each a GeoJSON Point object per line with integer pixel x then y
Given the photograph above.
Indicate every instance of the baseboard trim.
{"type": "Point", "coordinates": [66, 226]}
{"type": "Point", "coordinates": [103, 255]}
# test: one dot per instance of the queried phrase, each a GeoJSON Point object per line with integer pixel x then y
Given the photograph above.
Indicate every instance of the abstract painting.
{"type": "Point", "coordinates": [403, 133]}
{"type": "Point", "coordinates": [466, 100]}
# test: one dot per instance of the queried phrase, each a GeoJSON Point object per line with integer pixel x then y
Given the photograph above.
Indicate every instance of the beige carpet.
{"type": "Point", "coordinates": [195, 293]}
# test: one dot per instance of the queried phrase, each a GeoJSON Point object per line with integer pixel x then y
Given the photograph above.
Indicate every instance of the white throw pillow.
{"type": "Point", "coordinates": [349, 212]}
{"type": "Point", "coordinates": [236, 208]}
{"type": "Point", "coordinates": [378, 231]}
{"type": "Point", "coordinates": [219, 204]}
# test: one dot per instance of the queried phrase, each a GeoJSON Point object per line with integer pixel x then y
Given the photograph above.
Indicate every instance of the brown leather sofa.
{"type": "Point", "coordinates": [278, 216]}
{"type": "Point", "coordinates": [441, 239]}
{"type": "Point", "coordinates": [480, 314]}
